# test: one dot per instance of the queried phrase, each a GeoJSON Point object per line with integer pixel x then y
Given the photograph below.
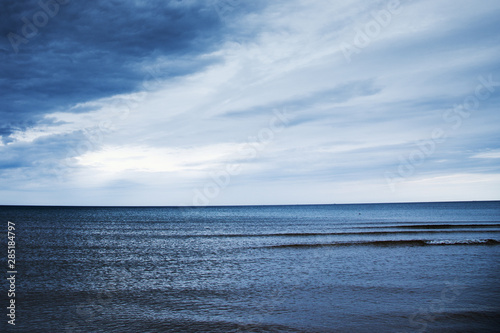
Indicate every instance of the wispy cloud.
{"type": "Point", "coordinates": [488, 154]}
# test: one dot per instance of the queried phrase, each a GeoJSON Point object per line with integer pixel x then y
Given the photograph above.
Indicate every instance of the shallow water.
{"type": "Point", "coordinates": [428, 267]}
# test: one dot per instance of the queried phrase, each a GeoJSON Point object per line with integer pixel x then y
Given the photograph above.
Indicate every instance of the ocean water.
{"type": "Point", "coordinates": [420, 267]}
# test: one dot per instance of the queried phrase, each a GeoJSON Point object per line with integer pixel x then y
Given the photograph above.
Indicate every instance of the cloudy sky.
{"type": "Point", "coordinates": [190, 102]}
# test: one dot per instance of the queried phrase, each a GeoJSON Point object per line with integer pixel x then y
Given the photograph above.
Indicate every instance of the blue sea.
{"type": "Point", "coordinates": [416, 267]}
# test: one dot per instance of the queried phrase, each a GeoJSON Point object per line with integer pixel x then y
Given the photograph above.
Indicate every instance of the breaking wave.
{"type": "Point", "coordinates": [386, 243]}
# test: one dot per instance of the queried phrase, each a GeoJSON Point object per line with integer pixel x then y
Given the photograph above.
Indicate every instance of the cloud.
{"type": "Point", "coordinates": [88, 51]}
{"type": "Point", "coordinates": [149, 159]}
{"type": "Point", "coordinates": [143, 96]}
{"type": "Point", "coordinates": [488, 154]}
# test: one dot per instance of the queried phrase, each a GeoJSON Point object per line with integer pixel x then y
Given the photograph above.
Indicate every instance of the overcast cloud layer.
{"type": "Point", "coordinates": [249, 102]}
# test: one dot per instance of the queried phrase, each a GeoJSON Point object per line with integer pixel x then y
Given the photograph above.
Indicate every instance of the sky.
{"type": "Point", "coordinates": [233, 102]}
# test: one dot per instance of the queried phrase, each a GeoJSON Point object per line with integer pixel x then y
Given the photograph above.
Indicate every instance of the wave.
{"type": "Point", "coordinates": [439, 226]}
{"type": "Point", "coordinates": [387, 243]}
{"type": "Point", "coordinates": [314, 234]}
{"type": "Point", "coordinates": [477, 315]}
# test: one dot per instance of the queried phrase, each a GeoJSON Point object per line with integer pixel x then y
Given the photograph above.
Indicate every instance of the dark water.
{"type": "Point", "coordinates": [430, 267]}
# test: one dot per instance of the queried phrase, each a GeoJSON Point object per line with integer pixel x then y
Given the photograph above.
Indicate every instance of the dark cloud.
{"type": "Point", "coordinates": [83, 50]}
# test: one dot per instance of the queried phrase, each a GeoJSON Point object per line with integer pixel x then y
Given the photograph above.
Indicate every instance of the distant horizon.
{"type": "Point", "coordinates": [263, 205]}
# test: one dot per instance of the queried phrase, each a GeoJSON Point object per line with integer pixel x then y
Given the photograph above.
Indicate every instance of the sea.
{"type": "Point", "coordinates": [402, 267]}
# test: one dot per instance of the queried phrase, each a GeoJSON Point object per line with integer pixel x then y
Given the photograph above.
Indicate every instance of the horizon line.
{"type": "Point", "coordinates": [250, 205]}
